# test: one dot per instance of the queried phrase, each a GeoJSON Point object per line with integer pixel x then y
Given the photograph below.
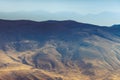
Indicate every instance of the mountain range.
{"type": "Point", "coordinates": [58, 50]}
{"type": "Point", "coordinates": [101, 18]}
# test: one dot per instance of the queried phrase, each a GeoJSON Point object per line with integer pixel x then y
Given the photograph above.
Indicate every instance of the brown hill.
{"type": "Point", "coordinates": [58, 50]}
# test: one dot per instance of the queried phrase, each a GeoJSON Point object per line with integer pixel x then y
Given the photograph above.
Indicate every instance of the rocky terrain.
{"type": "Point", "coordinates": [58, 50]}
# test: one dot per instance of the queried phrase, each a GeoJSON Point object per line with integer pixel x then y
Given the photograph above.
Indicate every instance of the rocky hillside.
{"type": "Point", "coordinates": [58, 50]}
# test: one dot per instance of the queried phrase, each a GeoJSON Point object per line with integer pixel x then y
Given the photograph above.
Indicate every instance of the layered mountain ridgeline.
{"type": "Point", "coordinates": [58, 50]}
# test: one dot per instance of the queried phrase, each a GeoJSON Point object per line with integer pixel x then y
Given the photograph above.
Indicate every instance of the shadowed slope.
{"type": "Point", "coordinates": [60, 47]}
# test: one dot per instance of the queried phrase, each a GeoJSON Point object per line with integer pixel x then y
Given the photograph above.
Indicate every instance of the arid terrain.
{"type": "Point", "coordinates": [58, 50]}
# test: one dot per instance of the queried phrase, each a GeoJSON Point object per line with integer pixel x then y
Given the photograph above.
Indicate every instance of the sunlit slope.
{"type": "Point", "coordinates": [58, 50]}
